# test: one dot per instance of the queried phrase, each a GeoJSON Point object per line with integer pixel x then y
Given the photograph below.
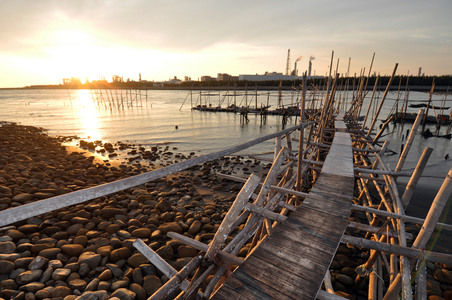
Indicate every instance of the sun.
{"type": "Point", "coordinates": [76, 54]}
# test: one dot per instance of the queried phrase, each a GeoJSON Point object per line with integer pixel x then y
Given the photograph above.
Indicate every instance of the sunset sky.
{"type": "Point", "coordinates": [42, 41]}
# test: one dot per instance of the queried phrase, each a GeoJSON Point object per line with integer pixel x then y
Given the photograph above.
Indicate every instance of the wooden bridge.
{"type": "Point", "coordinates": [292, 262]}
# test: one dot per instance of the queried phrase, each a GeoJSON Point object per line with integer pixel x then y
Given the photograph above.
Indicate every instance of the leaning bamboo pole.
{"type": "Point", "coordinates": [301, 134]}
{"type": "Point", "coordinates": [382, 101]}
{"type": "Point", "coordinates": [409, 142]}
{"type": "Point", "coordinates": [427, 229]}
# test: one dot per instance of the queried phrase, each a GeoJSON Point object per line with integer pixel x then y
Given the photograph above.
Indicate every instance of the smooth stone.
{"type": "Point", "coordinates": [78, 284]}
{"type": "Point", "coordinates": [55, 264]}
{"type": "Point", "coordinates": [42, 294]}
{"type": "Point", "coordinates": [92, 286]}
{"type": "Point", "coordinates": [6, 266]}
{"type": "Point", "coordinates": [115, 270]}
{"type": "Point", "coordinates": [124, 234]}
{"type": "Point", "coordinates": [81, 240]}
{"type": "Point", "coordinates": [151, 284]}
{"type": "Point", "coordinates": [119, 284]}
{"type": "Point", "coordinates": [141, 232]}
{"type": "Point", "coordinates": [137, 276]}
{"type": "Point", "coordinates": [22, 198]}
{"type": "Point", "coordinates": [344, 279]}
{"type": "Point", "coordinates": [118, 254]}
{"type": "Point", "coordinates": [39, 262]}
{"type": "Point", "coordinates": [443, 276]}
{"type": "Point", "coordinates": [46, 275]}
{"type": "Point", "coordinates": [139, 291]}
{"type": "Point", "coordinates": [72, 249]}
{"type": "Point", "coordinates": [123, 294]}
{"type": "Point", "coordinates": [28, 276]}
{"type": "Point", "coordinates": [83, 269]}
{"type": "Point", "coordinates": [90, 258]}
{"type": "Point", "coordinates": [113, 228]}
{"type": "Point", "coordinates": [50, 253]}
{"type": "Point", "coordinates": [136, 260]}
{"type": "Point", "coordinates": [93, 295]}
{"type": "Point", "coordinates": [106, 275]}
{"type": "Point", "coordinates": [15, 234]}
{"type": "Point", "coordinates": [170, 227]}
{"type": "Point", "coordinates": [104, 250]}
{"type": "Point", "coordinates": [39, 247]}
{"type": "Point", "coordinates": [104, 285]}
{"type": "Point", "coordinates": [166, 252]}
{"type": "Point", "coordinates": [186, 251]}
{"type": "Point", "coordinates": [163, 206]}
{"type": "Point", "coordinates": [110, 212]}
{"type": "Point", "coordinates": [32, 287]}
{"type": "Point", "coordinates": [194, 227]}
{"type": "Point", "coordinates": [61, 274]}
{"type": "Point", "coordinates": [61, 291]}
{"type": "Point", "coordinates": [7, 247]}
{"type": "Point", "coordinates": [73, 229]}
{"type": "Point", "coordinates": [8, 284]}
{"type": "Point", "coordinates": [23, 262]}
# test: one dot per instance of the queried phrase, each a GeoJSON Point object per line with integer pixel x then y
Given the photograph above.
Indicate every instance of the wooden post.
{"type": "Point", "coordinates": [432, 218]}
{"type": "Point", "coordinates": [429, 102]}
{"type": "Point", "coordinates": [409, 141]}
{"type": "Point", "coordinates": [382, 101]}
{"type": "Point", "coordinates": [409, 190]}
{"type": "Point", "coordinates": [370, 102]}
{"type": "Point", "coordinates": [301, 135]}
{"type": "Point", "coordinates": [175, 281]}
{"type": "Point", "coordinates": [225, 227]}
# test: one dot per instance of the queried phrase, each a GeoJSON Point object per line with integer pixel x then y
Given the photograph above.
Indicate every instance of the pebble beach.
{"type": "Point", "coordinates": [86, 251]}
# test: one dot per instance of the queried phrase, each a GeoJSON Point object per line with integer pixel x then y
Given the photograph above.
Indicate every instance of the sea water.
{"type": "Point", "coordinates": [165, 117]}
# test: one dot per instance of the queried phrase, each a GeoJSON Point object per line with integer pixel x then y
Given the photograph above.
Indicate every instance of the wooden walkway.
{"type": "Point", "coordinates": [292, 262]}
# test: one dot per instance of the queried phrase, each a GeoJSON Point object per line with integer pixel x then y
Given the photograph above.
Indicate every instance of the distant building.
{"type": "Point", "coordinates": [117, 78]}
{"type": "Point", "coordinates": [173, 81]}
{"type": "Point", "coordinates": [157, 84]}
{"type": "Point", "coordinates": [223, 77]}
{"type": "Point", "coordinates": [72, 81]}
{"type": "Point", "coordinates": [207, 78]}
{"type": "Point", "coordinates": [273, 76]}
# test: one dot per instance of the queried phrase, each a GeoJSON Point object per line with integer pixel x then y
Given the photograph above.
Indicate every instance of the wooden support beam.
{"type": "Point", "coordinates": [233, 213]}
{"type": "Point", "coordinates": [375, 229]}
{"type": "Point", "coordinates": [265, 212]}
{"type": "Point", "coordinates": [272, 187]}
{"type": "Point", "coordinates": [420, 254]}
{"type": "Point", "coordinates": [203, 247]}
{"type": "Point", "coordinates": [406, 218]}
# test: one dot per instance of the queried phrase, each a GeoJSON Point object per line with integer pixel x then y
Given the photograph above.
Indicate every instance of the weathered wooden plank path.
{"type": "Point", "coordinates": [292, 262]}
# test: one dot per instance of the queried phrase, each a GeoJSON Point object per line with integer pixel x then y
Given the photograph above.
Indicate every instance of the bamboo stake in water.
{"type": "Point", "coordinates": [427, 229]}
{"type": "Point", "coordinates": [409, 141]}
{"type": "Point", "coordinates": [382, 101]}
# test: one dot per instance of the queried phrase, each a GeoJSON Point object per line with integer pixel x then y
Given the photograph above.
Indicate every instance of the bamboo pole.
{"type": "Point", "coordinates": [382, 101]}
{"type": "Point", "coordinates": [409, 190]}
{"type": "Point", "coordinates": [432, 218]}
{"type": "Point", "coordinates": [429, 102]}
{"type": "Point", "coordinates": [301, 134]}
{"type": "Point", "coordinates": [225, 227]}
{"type": "Point", "coordinates": [409, 141]}
{"type": "Point", "coordinates": [385, 124]}
{"type": "Point", "coordinates": [420, 254]}
{"type": "Point", "coordinates": [370, 102]}
{"type": "Point", "coordinates": [175, 281]}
